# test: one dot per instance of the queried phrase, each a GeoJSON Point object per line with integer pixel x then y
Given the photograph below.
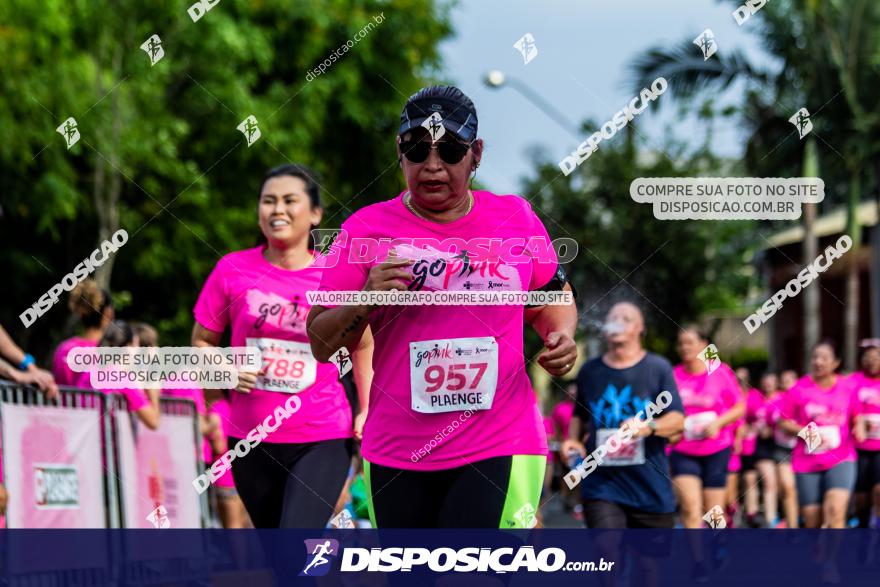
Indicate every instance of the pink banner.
{"type": "Point", "coordinates": [53, 467]}
{"type": "Point", "coordinates": [156, 473]}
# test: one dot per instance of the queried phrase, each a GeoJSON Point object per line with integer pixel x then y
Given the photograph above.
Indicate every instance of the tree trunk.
{"type": "Point", "coordinates": [107, 202]}
{"type": "Point", "coordinates": [851, 307]}
{"type": "Point", "coordinates": [809, 246]}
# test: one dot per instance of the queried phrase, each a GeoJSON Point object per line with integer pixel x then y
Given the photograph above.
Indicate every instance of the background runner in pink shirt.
{"type": "Point", "coordinates": [294, 476]}
{"type": "Point", "coordinates": [144, 404]}
{"type": "Point", "coordinates": [866, 384]}
{"type": "Point", "coordinates": [713, 403]}
{"type": "Point", "coordinates": [821, 409]}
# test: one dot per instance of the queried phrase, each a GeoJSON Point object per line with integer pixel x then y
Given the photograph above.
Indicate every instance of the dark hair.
{"type": "Point", "coordinates": [830, 343]}
{"type": "Point", "coordinates": [695, 328]}
{"type": "Point", "coordinates": [147, 335]}
{"type": "Point", "coordinates": [88, 302]}
{"type": "Point", "coordinates": [312, 188]}
{"type": "Point", "coordinates": [118, 333]}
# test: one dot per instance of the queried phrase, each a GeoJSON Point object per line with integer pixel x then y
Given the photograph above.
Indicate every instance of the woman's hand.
{"type": "Point", "coordinates": [859, 430]}
{"type": "Point", "coordinates": [247, 380]}
{"type": "Point", "coordinates": [560, 355]}
{"type": "Point", "coordinates": [712, 430]}
{"type": "Point", "coordinates": [359, 425]}
{"type": "Point", "coordinates": [570, 444]}
{"type": "Point", "coordinates": [39, 378]}
{"type": "Point", "coordinates": [390, 274]}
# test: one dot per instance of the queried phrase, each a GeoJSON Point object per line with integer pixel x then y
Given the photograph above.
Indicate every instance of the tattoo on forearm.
{"type": "Point", "coordinates": [352, 327]}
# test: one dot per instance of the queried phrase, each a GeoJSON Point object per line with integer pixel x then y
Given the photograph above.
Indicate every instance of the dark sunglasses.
{"type": "Point", "coordinates": [450, 152]}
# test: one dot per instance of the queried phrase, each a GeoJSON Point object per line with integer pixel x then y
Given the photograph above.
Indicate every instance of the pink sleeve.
{"type": "Point", "coordinates": [788, 405]}
{"type": "Point", "coordinates": [732, 391]}
{"type": "Point", "coordinates": [543, 266]}
{"type": "Point", "coordinates": [212, 307]}
{"type": "Point", "coordinates": [341, 271]}
{"type": "Point", "coordinates": [855, 405]}
{"type": "Point", "coordinates": [136, 398]}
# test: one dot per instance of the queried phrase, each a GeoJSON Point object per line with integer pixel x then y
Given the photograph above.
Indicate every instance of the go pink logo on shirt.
{"type": "Point", "coordinates": [434, 353]}
{"type": "Point", "coordinates": [270, 309]}
{"type": "Point", "coordinates": [330, 244]}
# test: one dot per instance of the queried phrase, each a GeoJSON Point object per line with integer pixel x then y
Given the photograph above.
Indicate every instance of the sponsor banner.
{"type": "Point", "coordinates": [53, 467]}
{"type": "Point", "coordinates": [156, 467]}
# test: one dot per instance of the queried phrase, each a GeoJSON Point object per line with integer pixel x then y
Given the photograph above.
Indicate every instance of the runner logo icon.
{"type": "Point", "coordinates": [709, 356]}
{"type": "Point", "coordinates": [527, 48]}
{"type": "Point", "coordinates": [250, 129]}
{"type": "Point", "coordinates": [68, 129]}
{"type": "Point", "coordinates": [153, 48]}
{"type": "Point", "coordinates": [811, 436]}
{"type": "Point", "coordinates": [706, 43]}
{"type": "Point", "coordinates": [715, 518]}
{"type": "Point", "coordinates": [801, 120]}
{"type": "Point", "coordinates": [320, 552]}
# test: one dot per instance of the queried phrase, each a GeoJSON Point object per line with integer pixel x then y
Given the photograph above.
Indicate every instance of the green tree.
{"type": "Point", "coordinates": [159, 153]}
{"type": "Point", "coordinates": [673, 270]}
{"type": "Point", "coordinates": [827, 59]}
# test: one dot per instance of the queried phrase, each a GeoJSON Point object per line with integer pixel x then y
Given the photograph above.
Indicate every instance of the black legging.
{"type": "Point", "coordinates": [292, 485]}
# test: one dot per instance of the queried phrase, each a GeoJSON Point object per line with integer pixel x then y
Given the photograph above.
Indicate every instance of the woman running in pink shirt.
{"type": "Point", "coordinates": [821, 408]}
{"type": "Point", "coordinates": [867, 434]}
{"type": "Point", "coordinates": [713, 403]}
{"type": "Point", "coordinates": [294, 476]}
{"type": "Point", "coordinates": [454, 437]}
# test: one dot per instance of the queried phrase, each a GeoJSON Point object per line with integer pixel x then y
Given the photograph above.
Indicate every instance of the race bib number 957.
{"type": "Point", "coordinates": [453, 375]}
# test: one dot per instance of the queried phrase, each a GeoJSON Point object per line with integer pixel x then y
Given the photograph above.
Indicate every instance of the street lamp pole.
{"type": "Point", "coordinates": [496, 79]}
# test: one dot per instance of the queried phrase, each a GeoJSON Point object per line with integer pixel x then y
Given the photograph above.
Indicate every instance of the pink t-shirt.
{"type": "Point", "coordinates": [868, 396]}
{"type": "Point", "coordinates": [832, 410]}
{"type": "Point", "coordinates": [549, 431]}
{"type": "Point", "coordinates": [562, 416]}
{"type": "Point", "coordinates": [266, 306]}
{"type": "Point", "coordinates": [756, 413]}
{"type": "Point", "coordinates": [436, 364]}
{"type": "Point", "coordinates": [705, 398]}
{"type": "Point", "coordinates": [62, 373]}
{"type": "Point", "coordinates": [773, 415]}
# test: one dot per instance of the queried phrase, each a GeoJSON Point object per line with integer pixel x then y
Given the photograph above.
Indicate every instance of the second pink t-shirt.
{"type": "Point", "coordinates": [706, 397]}
{"type": "Point", "coordinates": [832, 411]}
{"type": "Point", "coordinates": [63, 374]}
{"type": "Point", "coordinates": [266, 307]}
{"type": "Point", "coordinates": [867, 391]}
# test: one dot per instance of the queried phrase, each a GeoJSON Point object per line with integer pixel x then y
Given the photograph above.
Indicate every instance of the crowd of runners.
{"type": "Point", "coordinates": [438, 424]}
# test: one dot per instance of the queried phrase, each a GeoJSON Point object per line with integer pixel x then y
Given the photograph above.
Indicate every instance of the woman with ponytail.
{"type": "Point", "coordinates": [92, 307]}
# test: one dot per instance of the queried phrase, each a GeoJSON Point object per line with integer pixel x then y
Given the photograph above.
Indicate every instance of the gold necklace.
{"type": "Point", "coordinates": [407, 201]}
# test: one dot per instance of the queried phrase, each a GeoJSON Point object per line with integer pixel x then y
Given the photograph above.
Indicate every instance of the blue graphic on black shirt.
{"type": "Point", "coordinates": [613, 406]}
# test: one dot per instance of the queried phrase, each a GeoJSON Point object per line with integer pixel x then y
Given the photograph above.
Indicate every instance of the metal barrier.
{"type": "Point", "coordinates": [107, 407]}
{"type": "Point", "coordinates": [168, 406]}
{"type": "Point", "coordinates": [76, 399]}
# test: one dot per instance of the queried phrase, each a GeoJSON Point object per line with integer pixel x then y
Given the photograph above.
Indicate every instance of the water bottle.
{"type": "Point", "coordinates": [574, 458]}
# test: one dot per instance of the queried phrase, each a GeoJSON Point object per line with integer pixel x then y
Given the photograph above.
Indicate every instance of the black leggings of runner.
{"type": "Point", "coordinates": [292, 485]}
{"type": "Point", "coordinates": [471, 496]}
